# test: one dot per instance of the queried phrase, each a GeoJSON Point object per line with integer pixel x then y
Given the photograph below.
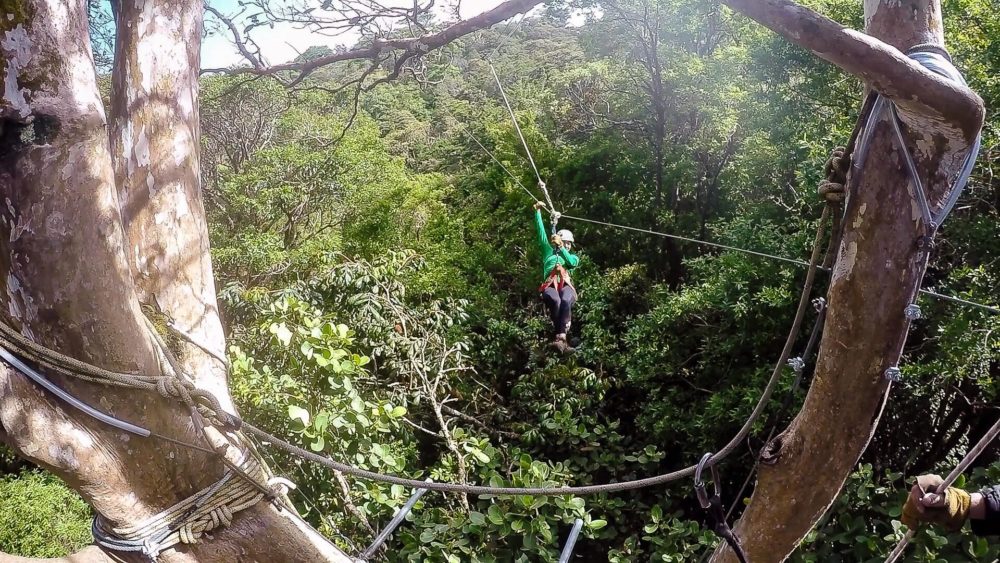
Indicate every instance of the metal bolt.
{"type": "Point", "coordinates": [913, 312]}
{"type": "Point", "coordinates": [797, 365]}
{"type": "Point", "coordinates": [893, 374]}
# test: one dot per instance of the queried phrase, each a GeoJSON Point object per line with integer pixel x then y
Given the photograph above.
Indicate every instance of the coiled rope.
{"type": "Point", "coordinates": [187, 521]}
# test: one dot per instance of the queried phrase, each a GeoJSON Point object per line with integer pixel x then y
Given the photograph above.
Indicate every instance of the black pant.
{"type": "Point", "coordinates": [560, 305]}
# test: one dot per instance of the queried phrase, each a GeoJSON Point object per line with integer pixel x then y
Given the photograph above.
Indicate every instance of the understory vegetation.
{"type": "Point", "coordinates": [378, 273]}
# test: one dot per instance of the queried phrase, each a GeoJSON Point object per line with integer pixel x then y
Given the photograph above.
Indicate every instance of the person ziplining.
{"type": "Point", "coordinates": [557, 290]}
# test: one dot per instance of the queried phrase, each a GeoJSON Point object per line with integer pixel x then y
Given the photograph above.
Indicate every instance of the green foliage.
{"type": "Point", "coordinates": [380, 281]}
{"type": "Point", "coordinates": [41, 517]}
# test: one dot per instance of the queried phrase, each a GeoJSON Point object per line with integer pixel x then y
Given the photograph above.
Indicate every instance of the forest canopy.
{"type": "Point", "coordinates": [377, 270]}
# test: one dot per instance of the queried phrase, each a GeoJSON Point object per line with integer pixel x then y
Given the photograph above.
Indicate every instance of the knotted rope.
{"type": "Point", "coordinates": [832, 188]}
{"type": "Point", "coordinates": [166, 385]}
{"type": "Point", "coordinates": [189, 520]}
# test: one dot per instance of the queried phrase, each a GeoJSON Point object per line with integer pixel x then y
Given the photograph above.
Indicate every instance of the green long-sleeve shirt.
{"type": "Point", "coordinates": [550, 257]}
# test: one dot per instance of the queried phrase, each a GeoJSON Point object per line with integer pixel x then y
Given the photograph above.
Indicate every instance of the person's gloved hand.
{"type": "Point", "coordinates": [949, 510]}
{"type": "Point", "coordinates": [557, 241]}
{"type": "Point", "coordinates": [539, 205]}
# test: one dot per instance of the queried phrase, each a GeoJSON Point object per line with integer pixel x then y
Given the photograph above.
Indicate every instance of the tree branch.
{"type": "Point", "coordinates": [411, 47]}
{"type": "Point", "coordinates": [882, 66]}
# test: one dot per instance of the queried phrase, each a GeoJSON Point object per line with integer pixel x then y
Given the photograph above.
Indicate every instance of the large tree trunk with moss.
{"type": "Point", "coordinates": [879, 265]}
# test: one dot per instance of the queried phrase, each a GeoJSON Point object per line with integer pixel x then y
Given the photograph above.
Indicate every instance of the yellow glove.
{"type": "Point", "coordinates": [557, 241]}
{"type": "Point", "coordinates": [949, 510]}
{"type": "Point", "coordinates": [539, 205]}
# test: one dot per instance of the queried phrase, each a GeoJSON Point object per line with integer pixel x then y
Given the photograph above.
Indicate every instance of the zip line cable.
{"type": "Point", "coordinates": [517, 127]}
{"type": "Point", "coordinates": [12, 340]}
{"type": "Point", "coordinates": [926, 292]}
{"type": "Point", "coordinates": [689, 471]}
{"type": "Point", "coordinates": [859, 126]}
{"type": "Point", "coordinates": [691, 240]}
{"type": "Point", "coordinates": [524, 143]}
{"type": "Point", "coordinates": [465, 128]}
{"type": "Point", "coordinates": [797, 262]}
{"type": "Point", "coordinates": [514, 28]}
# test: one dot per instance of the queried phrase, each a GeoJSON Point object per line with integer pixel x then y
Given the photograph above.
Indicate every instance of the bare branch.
{"type": "Point", "coordinates": [410, 47]}
{"type": "Point", "coordinates": [240, 44]}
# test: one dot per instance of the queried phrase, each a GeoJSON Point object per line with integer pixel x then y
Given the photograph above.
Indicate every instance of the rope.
{"type": "Point", "coordinates": [728, 449]}
{"type": "Point", "coordinates": [969, 458]}
{"type": "Point", "coordinates": [168, 387]}
{"type": "Point", "coordinates": [524, 143]}
{"type": "Point", "coordinates": [189, 520]}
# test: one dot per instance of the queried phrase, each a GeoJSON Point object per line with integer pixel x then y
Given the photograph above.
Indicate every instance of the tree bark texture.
{"type": "Point", "coordinates": [99, 220]}
{"type": "Point", "coordinates": [69, 257]}
{"type": "Point", "coordinates": [155, 140]}
{"type": "Point", "coordinates": [877, 273]}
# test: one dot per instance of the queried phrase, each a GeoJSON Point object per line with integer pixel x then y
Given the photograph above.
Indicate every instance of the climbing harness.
{"type": "Point", "coordinates": [397, 519]}
{"type": "Point", "coordinates": [712, 505]}
{"type": "Point", "coordinates": [567, 550]}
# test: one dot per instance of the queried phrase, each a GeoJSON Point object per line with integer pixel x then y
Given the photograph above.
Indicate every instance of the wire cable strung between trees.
{"type": "Point", "coordinates": [861, 126]}
{"type": "Point", "coordinates": [207, 404]}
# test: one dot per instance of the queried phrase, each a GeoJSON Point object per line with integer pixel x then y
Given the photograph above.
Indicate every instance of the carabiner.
{"type": "Point", "coordinates": [699, 485]}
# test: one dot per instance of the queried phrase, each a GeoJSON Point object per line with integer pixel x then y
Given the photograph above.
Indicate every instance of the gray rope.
{"type": "Point", "coordinates": [188, 520]}
{"type": "Point", "coordinates": [531, 159]}
{"type": "Point", "coordinates": [970, 457]}
{"type": "Point", "coordinates": [728, 449]}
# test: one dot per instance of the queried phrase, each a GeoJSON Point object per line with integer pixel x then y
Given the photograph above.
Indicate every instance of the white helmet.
{"type": "Point", "coordinates": [565, 235]}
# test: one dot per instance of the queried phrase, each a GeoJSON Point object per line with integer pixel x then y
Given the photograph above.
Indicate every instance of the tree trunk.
{"type": "Point", "coordinates": [69, 261]}
{"type": "Point", "coordinates": [878, 269]}
{"type": "Point", "coordinates": [92, 229]}
{"type": "Point", "coordinates": [155, 140]}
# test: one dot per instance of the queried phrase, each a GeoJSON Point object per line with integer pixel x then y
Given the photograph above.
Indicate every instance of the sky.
{"type": "Point", "coordinates": [285, 42]}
